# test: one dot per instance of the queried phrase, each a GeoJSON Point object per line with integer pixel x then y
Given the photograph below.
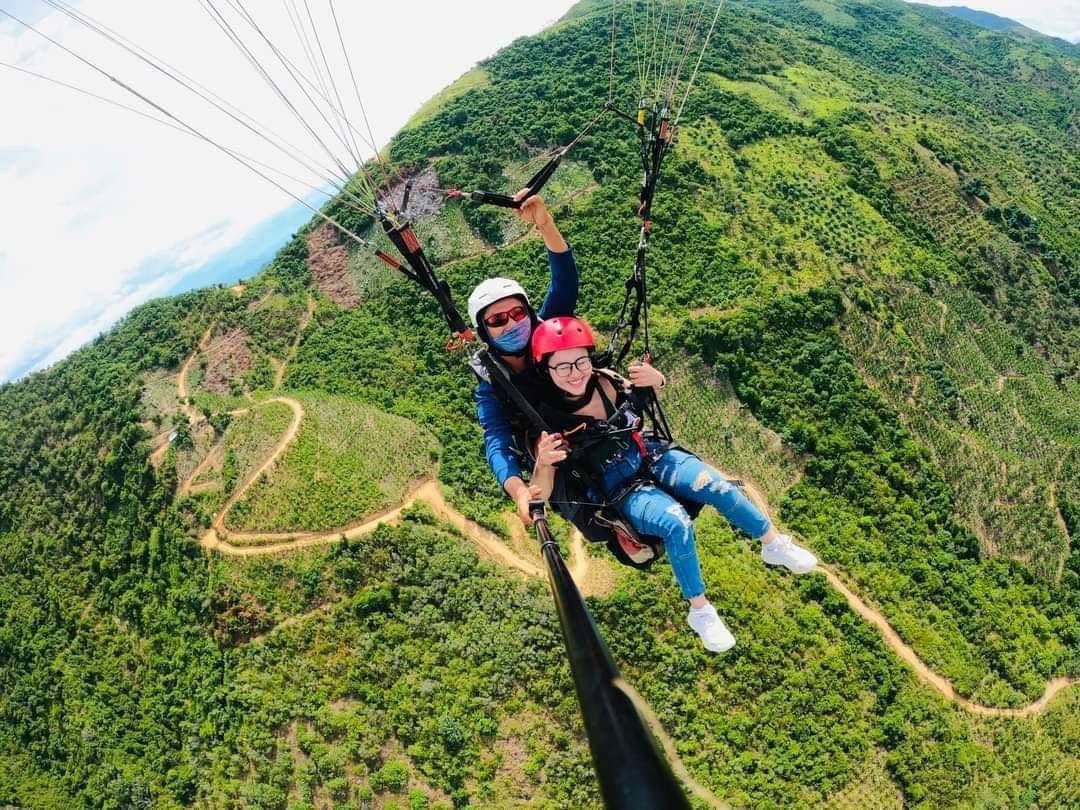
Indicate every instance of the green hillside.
{"type": "Point", "coordinates": [348, 461]}
{"type": "Point", "coordinates": [865, 282]}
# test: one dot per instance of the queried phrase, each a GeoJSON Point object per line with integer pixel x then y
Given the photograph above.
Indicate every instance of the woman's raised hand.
{"type": "Point", "coordinates": [645, 375]}
{"type": "Point", "coordinates": [550, 450]}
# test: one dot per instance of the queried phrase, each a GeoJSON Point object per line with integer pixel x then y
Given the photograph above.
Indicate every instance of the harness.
{"type": "Point", "coordinates": [591, 443]}
{"type": "Point", "coordinates": [598, 443]}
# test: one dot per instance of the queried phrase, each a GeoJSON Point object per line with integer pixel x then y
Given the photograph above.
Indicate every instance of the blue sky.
{"type": "Point", "coordinates": [102, 210]}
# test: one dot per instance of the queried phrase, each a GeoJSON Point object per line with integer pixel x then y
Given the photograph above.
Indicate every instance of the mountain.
{"type": "Point", "coordinates": [983, 19]}
{"type": "Point", "coordinates": [251, 554]}
{"type": "Point", "coordinates": [993, 22]}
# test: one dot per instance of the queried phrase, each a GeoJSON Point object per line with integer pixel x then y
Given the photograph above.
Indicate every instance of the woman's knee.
{"type": "Point", "coordinates": [653, 511]}
{"type": "Point", "coordinates": [742, 512]}
{"type": "Point", "coordinates": [678, 530]}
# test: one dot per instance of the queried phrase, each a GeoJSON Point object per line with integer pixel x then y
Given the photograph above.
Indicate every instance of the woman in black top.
{"type": "Point", "coordinates": [646, 481]}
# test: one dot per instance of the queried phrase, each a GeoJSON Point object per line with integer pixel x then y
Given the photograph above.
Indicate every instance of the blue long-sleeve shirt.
{"type": "Point", "coordinates": [561, 299]}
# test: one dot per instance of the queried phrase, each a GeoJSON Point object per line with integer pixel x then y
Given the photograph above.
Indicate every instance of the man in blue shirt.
{"type": "Point", "coordinates": [499, 309]}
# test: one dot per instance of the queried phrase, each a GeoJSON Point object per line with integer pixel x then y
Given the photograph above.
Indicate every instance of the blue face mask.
{"type": "Point", "coordinates": [515, 338]}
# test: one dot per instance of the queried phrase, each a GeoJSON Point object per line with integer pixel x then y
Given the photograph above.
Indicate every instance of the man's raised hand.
{"type": "Point", "coordinates": [533, 210]}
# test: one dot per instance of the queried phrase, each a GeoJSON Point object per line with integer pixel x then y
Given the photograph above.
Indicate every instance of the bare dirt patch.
{"type": "Point", "coordinates": [227, 358]}
{"type": "Point", "coordinates": [424, 202]}
{"type": "Point", "coordinates": [328, 261]}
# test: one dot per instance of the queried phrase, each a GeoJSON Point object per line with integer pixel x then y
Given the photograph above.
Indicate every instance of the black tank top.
{"type": "Point", "coordinates": [594, 442]}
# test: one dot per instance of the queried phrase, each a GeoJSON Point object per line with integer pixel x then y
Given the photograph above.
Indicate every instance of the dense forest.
{"type": "Point", "coordinates": [865, 278]}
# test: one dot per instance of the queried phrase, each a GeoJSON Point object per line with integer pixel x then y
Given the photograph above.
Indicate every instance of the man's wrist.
{"type": "Point", "coordinates": [513, 486]}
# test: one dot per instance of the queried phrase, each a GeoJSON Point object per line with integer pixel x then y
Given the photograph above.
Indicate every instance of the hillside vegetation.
{"type": "Point", "coordinates": [865, 281]}
{"type": "Point", "coordinates": [347, 462]}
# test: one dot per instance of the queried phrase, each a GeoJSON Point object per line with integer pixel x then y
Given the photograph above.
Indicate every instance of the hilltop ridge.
{"type": "Point", "coordinates": [994, 22]}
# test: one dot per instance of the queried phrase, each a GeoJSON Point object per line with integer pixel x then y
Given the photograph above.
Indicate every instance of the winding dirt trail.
{"type": "Point", "coordinates": [218, 538]}
{"type": "Point", "coordinates": [923, 672]}
{"type": "Point", "coordinates": [161, 441]}
{"type": "Point", "coordinates": [279, 371]}
{"type": "Point", "coordinates": [182, 392]}
{"type": "Point", "coordinates": [188, 485]}
{"type": "Point", "coordinates": [217, 525]}
{"type": "Point", "coordinates": [490, 545]}
{"type": "Point", "coordinates": [927, 675]}
{"type": "Point", "coordinates": [161, 446]}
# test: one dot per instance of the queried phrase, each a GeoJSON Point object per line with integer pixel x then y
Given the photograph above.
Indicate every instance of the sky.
{"type": "Point", "coordinates": [1059, 18]}
{"type": "Point", "coordinates": [101, 210]}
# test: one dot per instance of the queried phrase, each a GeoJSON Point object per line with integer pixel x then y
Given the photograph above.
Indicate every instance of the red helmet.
{"type": "Point", "coordinates": [556, 334]}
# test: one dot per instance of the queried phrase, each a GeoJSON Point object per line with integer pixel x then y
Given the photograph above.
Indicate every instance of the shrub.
{"type": "Point", "coordinates": [391, 777]}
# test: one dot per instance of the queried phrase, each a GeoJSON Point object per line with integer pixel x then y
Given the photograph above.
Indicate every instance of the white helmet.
{"type": "Point", "coordinates": [490, 291]}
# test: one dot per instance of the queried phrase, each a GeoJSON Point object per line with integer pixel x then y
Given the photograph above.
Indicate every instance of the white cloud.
{"type": "Point", "coordinates": [90, 194]}
{"type": "Point", "coordinates": [1059, 18]}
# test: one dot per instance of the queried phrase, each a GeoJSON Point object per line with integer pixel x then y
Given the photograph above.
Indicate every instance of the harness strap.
{"type": "Point", "coordinates": [535, 184]}
{"type": "Point", "coordinates": [538, 180]}
{"type": "Point", "coordinates": [501, 377]}
{"type": "Point", "coordinates": [655, 136]}
{"type": "Point", "coordinates": [609, 407]}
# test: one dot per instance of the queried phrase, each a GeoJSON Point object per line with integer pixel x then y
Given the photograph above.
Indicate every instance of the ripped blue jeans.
{"type": "Point", "coordinates": [652, 510]}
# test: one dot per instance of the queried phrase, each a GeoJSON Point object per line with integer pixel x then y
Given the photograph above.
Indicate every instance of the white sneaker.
{"type": "Point", "coordinates": [782, 551]}
{"type": "Point", "coordinates": [714, 633]}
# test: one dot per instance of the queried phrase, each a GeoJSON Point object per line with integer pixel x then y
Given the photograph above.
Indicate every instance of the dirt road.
{"type": "Point", "coordinates": [181, 379]}
{"type": "Point", "coordinates": [218, 523]}
{"type": "Point", "coordinates": [491, 546]}
{"type": "Point", "coordinates": [279, 372]}
{"type": "Point", "coordinates": [927, 675]}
